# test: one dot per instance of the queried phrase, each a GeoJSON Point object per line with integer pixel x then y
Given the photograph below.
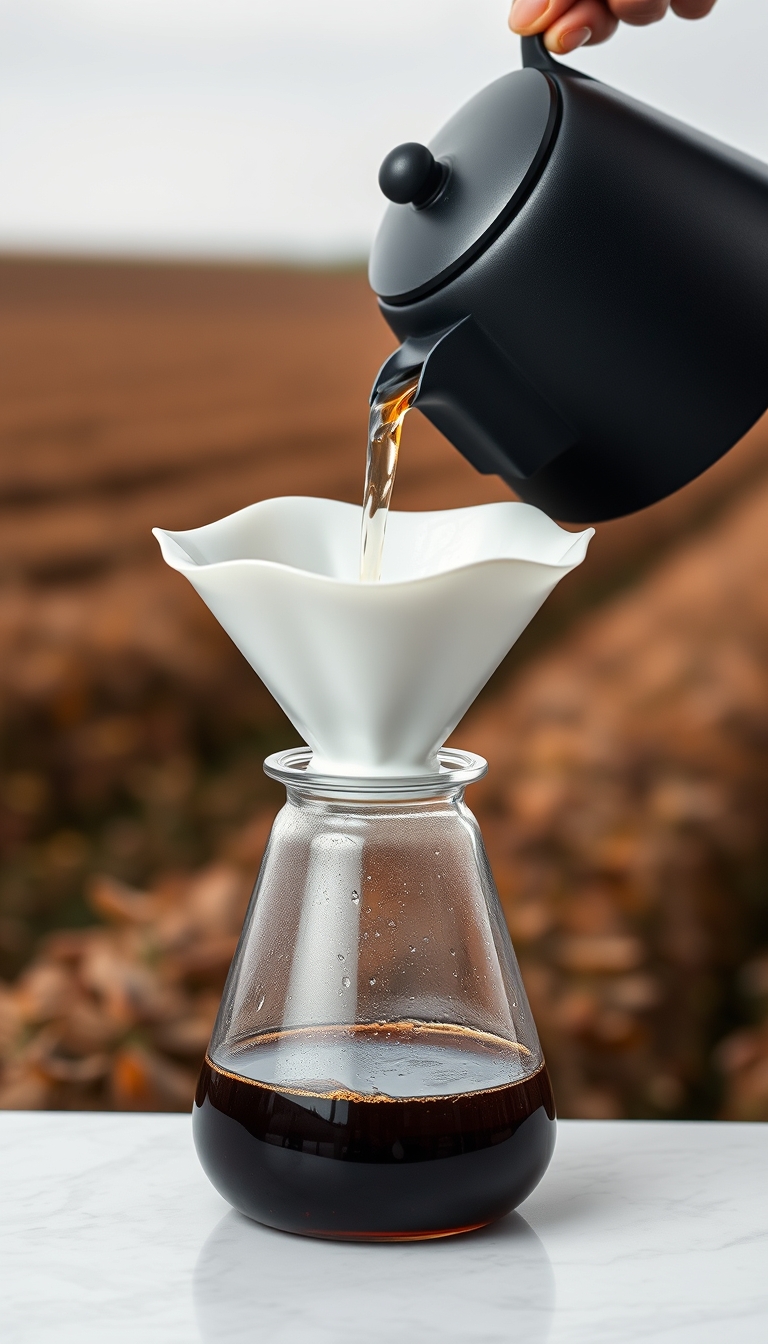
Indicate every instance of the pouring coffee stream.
{"type": "Point", "coordinates": [388, 410]}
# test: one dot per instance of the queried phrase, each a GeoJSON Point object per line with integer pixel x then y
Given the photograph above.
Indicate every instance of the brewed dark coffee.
{"type": "Point", "coordinates": [329, 1161]}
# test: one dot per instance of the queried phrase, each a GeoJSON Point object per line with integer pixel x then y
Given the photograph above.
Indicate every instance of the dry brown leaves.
{"type": "Point", "coordinates": [119, 1015]}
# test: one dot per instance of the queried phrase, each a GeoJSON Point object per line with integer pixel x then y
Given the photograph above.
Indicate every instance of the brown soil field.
{"type": "Point", "coordinates": [132, 732]}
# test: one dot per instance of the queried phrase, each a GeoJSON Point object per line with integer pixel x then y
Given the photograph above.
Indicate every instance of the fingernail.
{"type": "Point", "coordinates": [573, 39]}
{"type": "Point", "coordinates": [526, 12]}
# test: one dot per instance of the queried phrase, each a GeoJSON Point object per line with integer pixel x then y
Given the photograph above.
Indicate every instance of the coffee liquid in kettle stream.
{"type": "Point", "coordinates": [388, 410]}
{"type": "Point", "coordinates": [425, 1156]}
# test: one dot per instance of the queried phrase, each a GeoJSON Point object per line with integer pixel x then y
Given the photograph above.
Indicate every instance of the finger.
{"type": "Point", "coordinates": [692, 9]}
{"type": "Point", "coordinates": [638, 13]}
{"type": "Point", "coordinates": [587, 22]}
{"type": "Point", "coordinates": [528, 17]}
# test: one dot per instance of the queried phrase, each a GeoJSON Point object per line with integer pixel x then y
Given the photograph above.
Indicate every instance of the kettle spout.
{"type": "Point", "coordinates": [477, 398]}
{"type": "Point", "coordinates": [406, 362]}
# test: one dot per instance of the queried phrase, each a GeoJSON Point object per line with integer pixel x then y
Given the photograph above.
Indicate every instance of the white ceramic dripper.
{"type": "Point", "coordinates": [375, 676]}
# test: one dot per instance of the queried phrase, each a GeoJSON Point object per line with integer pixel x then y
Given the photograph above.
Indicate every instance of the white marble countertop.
{"type": "Point", "coordinates": [110, 1232]}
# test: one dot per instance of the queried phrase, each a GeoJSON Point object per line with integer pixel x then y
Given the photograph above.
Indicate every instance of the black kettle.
{"type": "Point", "coordinates": [581, 285]}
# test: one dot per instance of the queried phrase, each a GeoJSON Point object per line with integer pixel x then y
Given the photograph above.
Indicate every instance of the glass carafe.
{"type": "Point", "coordinates": [374, 1072]}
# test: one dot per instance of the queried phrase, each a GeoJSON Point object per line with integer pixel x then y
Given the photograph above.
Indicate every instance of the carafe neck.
{"type": "Point", "coordinates": [456, 769]}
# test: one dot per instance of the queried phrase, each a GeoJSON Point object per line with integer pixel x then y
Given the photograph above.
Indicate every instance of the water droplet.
{"type": "Point", "coordinates": [368, 878]}
{"type": "Point", "coordinates": [437, 853]}
{"type": "Point", "coordinates": [341, 956]}
{"type": "Point", "coordinates": [390, 923]}
{"type": "Point", "coordinates": [346, 982]}
{"type": "Point", "coordinates": [377, 934]}
{"type": "Point", "coordinates": [411, 949]}
{"type": "Point", "coordinates": [368, 909]}
{"type": "Point", "coordinates": [355, 897]}
{"type": "Point", "coordinates": [260, 1004]}
{"type": "Point", "coordinates": [372, 980]}
{"type": "Point", "coordinates": [453, 951]}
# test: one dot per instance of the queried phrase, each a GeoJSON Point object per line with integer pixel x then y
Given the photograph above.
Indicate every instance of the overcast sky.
{"type": "Point", "coordinates": [256, 127]}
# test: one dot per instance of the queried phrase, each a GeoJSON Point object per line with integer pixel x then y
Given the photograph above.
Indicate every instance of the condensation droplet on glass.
{"type": "Point", "coordinates": [390, 923]}
{"type": "Point", "coordinates": [453, 951]}
{"type": "Point", "coordinates": [377, 934]}
{"type": "Point", "coordinates": [437, 853]}
{"type": "Point", "coordinates": [368, 909]}
{"type": "Point", "coordinates": [372, 980]}
{"type": "Point", "coordinates": [346, 982]}
{"type": "Point", "coordinates": [261, 1003]}
{"type": "Point", "coordinates": [355, 897]}
{"type": "Point", "coordinates": [341, 956]}
{"type": "Point", "coordinates": [411, 949]}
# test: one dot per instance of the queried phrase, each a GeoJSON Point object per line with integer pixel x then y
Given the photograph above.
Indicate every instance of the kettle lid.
{"type": "Point", "coordinates": [449, 202]}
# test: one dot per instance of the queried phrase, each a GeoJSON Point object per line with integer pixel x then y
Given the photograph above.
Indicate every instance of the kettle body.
{"type": "Point", "coordinates": [584, 294]}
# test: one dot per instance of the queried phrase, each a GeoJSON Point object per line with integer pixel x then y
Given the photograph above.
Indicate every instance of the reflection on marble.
{"type": "Point", "coordinates": [639, 1232]}
{"type": "Point", "coordinates": [248, 1279]}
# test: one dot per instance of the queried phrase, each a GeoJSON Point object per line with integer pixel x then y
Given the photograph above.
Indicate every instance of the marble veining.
{"type": "Point", "coordinates": [639, 1232]}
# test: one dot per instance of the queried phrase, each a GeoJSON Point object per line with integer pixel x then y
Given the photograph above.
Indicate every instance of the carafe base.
{"type": "Point", "coordinates": [373, 1169]}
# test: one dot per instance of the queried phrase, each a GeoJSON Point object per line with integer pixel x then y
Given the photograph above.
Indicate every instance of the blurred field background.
{"type": "Point", "coordinates": [626, 807]}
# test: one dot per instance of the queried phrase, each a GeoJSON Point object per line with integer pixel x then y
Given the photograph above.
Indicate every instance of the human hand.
{"type": "Point", "coordinates": [568, 24]}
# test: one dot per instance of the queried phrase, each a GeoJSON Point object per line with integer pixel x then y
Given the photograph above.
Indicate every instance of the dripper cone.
{"type": "Point", "coordinates": [375, 676]}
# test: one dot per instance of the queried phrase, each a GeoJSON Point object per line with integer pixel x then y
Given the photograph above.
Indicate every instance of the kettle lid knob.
{"type": "Point", "coordinates": [410, 174]}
